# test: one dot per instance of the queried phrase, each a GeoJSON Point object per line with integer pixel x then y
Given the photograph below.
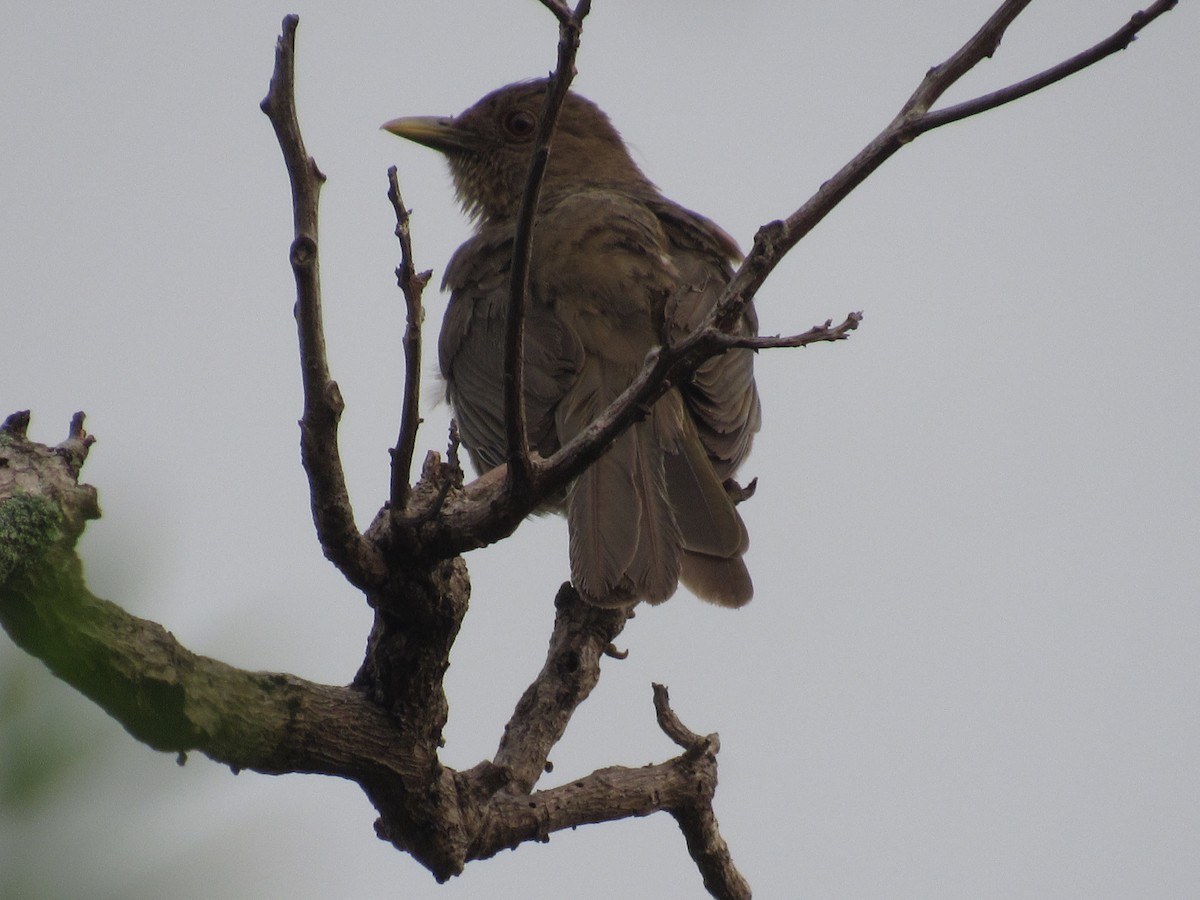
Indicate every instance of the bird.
{"type": "Point", "coordinates": [616, 270]}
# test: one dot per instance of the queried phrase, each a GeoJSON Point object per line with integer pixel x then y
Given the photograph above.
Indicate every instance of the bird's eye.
{"type": "Point", "coordinates": [520, 123]}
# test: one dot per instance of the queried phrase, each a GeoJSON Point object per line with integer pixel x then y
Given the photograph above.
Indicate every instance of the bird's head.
{"type": "Point", "coordinates": [489, 145]}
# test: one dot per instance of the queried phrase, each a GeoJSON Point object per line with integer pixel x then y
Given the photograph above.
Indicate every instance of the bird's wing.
{"type": "Point", "coordinates": [604, 261]}
{"type": "Point", "coordinates": [722, 396]}
{"type": "Point", "coordinates": [471, 352]}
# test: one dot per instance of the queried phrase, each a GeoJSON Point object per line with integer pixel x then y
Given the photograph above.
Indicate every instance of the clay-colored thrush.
{"type": "Point", "coordinates": [616, 270]}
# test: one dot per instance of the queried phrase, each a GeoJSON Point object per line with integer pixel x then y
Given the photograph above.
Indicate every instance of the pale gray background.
{"type": "Point", "coordinates": [971, 666]}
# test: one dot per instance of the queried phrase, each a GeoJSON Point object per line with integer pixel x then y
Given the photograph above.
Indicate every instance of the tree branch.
{"type": "Point", "coordinates": [606, 795]}
{"type": "Point", "coordinates": [332, 513]}
{"type": "Point", "coordinates": [1114, 43]}
{"type": "Point", "coordinates": [516, 435]}
{"type": "Point", "coordinates": [827, 333]}
{"type": "Point", "coordinates": [775, 239]}
{"type": "Point", "coordinates": [582, 634]}
{"type": "Point", "coordinates": [412, 286]}
{"type": "Point", "coordinates": [178, 701]}
{"type": "Point", "coordinates": [695, 815]}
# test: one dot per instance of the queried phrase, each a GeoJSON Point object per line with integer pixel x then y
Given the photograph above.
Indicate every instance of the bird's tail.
{"type": "Point", "coordinates": [650, 512]}
{"type": "Point", "coordinates": [625, 542]}
{"type": "Point", "coordinates": [713, 535]}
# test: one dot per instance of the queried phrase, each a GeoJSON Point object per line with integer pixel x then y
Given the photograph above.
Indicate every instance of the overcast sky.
{"type": "Point", "coordinates": [970, 668]}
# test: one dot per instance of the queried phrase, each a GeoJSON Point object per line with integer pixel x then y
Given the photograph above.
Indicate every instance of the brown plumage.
{"type": "Point", "coordinates": [615, 268]}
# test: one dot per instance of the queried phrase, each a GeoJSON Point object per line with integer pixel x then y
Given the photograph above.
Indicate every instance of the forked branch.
{"type": "Point", "coordinates": [776, 239]}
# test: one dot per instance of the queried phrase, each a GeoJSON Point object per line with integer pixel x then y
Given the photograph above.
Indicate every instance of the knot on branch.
{"type": "Point", "coordinates": [303, 252]}
{"type": "Point", "coordinates": [767, 240]}
{"type": "Point", "coordinates": [428, 496]}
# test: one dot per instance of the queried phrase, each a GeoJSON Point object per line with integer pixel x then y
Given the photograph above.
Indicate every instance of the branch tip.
{"type": "Point", "coordinates": [412, 286]}
{"type": "Point", "coordinates": [17, 423]}
{"type": "Point", "coordinates": [673, 728]}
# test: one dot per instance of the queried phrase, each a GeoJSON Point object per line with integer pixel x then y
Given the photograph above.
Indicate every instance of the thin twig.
{"type": "Point", "coordinates": [332, 512]}
{"type": "Point", "coordinates": [984, 43]}
{"type": "Point", "coordinates": [671, 725]}
{"type": "Point", "coordinates": [1114, 43]}
{"type": "Point", "coordinates": [827, 333]}
{"type": "Point", "coordinates": [412, 286]}
{"type": "Point", "coordinates": [516, 436]}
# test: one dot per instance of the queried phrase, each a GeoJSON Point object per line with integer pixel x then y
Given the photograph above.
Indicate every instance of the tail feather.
{"type": "Point", "coordinates": [723, 581]}
{"type": "Point", "coordinates": [625, 543]}
{"type": "Point", "coordinates": [655, 568]}
{"type": "Point", "coordinates": [651, 511]}
{"type": "Point", "coordinates": [600, 553]}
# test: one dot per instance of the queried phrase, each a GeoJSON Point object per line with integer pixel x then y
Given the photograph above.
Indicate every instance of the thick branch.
{"type": "Point", "coordinates": [164, 695]}
{"type": "Point", "coordinates": [332, 513]}
{"type": "Point", "coordinates": [683, 787]}
{"type": "Point", "coordinates": [178, 701]}
{"type": "Point", "coordinates": [582, 635]}
{"type": "Point", "coordinates": [606, 795]}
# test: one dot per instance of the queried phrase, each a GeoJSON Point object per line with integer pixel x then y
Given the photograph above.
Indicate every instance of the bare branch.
{"type": "Point", "coordinates": [178, 701]}
{"type": "Point", "coordinates": [516, 437]}
{"type": "Point", "coordinates": [695, 816]}
{"type": "Point", "coordinates": [606, 795]}
{"type": "Point", "coordinates": [683, 786]}
{"type": "Point", "coordinates": [675, 729]}
{"type": "Point", "coordinates": [332, 513]}
{"type": "Point", "coordinates": [1114, 43]}
{"type": "Point", "coordinates": [982, 44]}
{"type": "Point", "coordinates": [815, 335]}
{"type": "Point", "coordinates": [563, 12]}
{"type": "Point", "coordinates": [412, 286]}
{"type": "Point", "coordinates": [776, 239]}
{"type": "Point", "coordinates": [709, 851]}
{"type": "Point", "coordinates": [164, 695]}
{"type": "Point", "coordinates": [582, 635]}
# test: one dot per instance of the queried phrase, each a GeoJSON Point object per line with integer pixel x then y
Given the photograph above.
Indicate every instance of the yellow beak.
{"type": "Point", "coordinates": [437, 132]}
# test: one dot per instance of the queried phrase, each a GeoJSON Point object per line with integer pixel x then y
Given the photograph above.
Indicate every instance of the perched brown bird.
{"type": "Point", "coordinates": [616, 270]}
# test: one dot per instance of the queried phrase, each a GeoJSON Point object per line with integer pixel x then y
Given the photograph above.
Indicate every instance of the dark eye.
{"type": "Point", "coordinates": [520, 123]}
